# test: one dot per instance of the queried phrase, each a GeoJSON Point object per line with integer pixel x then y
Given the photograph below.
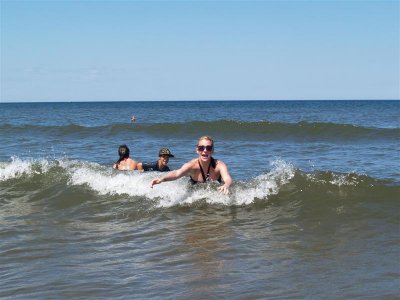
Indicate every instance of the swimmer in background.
{"type": "Point", "coordinates": [125, 162]}
{"type": "Point", "coordinates": [216, 170]}
{"type": "Point", "coordinates": [161, 165]}
{"type": "Point", "coordinates": [133, 119]}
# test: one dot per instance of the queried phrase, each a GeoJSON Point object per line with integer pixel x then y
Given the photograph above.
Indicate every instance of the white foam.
{"type": "Point", "coordinates": [350, 179]}
{"type": "Point", "coordinates": [345, 179]}
{"type": "Point", "coordinates": [208, 193]}
{"type": "Point", "coordinates": [179, 192]}
{"type": "Point", "coordinates": [17, 168]}
{"type": "Point", "coordinates": [134, 183]}
{"type": "Point", "coordinates": [105, 181]}
{"type": "Point", "coordinates": [130, 183]}
{"type": "Point", "coordinates": [265, 185]}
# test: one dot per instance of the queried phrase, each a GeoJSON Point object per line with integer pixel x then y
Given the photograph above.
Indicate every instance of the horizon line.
{"type": "Point", "coordinates": [191, 100]}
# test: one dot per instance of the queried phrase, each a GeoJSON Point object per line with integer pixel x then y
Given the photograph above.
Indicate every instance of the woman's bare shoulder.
{"type": "Point", "coordinates": [219, 163]}
{"type": "Point", "coordinates": [191, 163]}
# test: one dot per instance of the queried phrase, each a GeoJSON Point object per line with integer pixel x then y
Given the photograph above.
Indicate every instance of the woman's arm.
{"type": "Point", "coordinates": [173, 175]}
{"type": "Point", "coordinates": [226, 177]}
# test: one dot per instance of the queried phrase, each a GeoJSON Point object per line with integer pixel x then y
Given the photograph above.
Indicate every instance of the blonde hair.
{"type": "Point", "coordinates": [206, 137]}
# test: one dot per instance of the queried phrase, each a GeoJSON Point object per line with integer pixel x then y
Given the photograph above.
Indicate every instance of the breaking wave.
{"type": "Point", "coordinates": [283, 181]}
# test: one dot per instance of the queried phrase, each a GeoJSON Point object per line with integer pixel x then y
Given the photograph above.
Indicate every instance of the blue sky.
{"type": "Point", "coordinates": [199, 50]}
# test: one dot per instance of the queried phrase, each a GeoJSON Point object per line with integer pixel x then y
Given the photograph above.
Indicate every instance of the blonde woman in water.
{"type": "Point", "coordinates": [203, 168]}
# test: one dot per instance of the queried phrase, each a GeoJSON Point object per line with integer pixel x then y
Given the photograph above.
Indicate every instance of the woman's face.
{"type": "Point", "coordinates": [204, 149]}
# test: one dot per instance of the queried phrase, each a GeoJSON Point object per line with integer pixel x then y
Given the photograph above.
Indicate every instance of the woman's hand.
{"type": "Point", "coordinates": [224, 189]}
{"type": "Point", "coordinates": [155, 181]}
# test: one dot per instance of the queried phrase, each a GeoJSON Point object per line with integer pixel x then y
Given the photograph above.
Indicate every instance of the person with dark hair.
{"type": "Point", "coordinates": [125, 162]}
{"type": "Point", "coordinates": [203, 168]}
{"type": "Point", "coordinates": [161, 165]}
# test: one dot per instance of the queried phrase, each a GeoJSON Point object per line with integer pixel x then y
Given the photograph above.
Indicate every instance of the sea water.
{"type": "Point", "coordinates": [313, 210]}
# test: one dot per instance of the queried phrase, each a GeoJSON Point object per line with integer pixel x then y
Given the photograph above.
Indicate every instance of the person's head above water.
{"type": "Point", "coordinates": [166, 152]}
{"type": "Point", "coordinates": [123, 151]}
{"type": "Point", "coordinates": [205, 147]}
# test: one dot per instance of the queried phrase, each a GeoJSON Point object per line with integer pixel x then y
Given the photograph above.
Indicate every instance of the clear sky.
{"type": "Point", "coordinates": [199, 50]}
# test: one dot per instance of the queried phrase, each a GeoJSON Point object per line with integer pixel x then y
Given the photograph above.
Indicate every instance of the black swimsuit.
{"type": "Point", "coordinates": [154, 167]}
{"type": "Point", "coordinates": [206, 177]}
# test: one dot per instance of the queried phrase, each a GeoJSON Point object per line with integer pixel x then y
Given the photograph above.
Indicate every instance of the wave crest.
{"type": "Point", "coordinates": [222, 128]}
{"type": "Point", "coordinates": [282, 181]}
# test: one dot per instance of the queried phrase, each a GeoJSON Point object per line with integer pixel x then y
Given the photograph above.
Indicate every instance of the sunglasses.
{"type": "Point", "coordinates": [201, 148]}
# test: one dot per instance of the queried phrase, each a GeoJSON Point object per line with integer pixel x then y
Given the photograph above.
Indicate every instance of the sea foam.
{"type": "Point", "coordinates": [105, 181]}
{"type": "Point", "coordinates": [18, 167]}
{"type": "Point", "coordinates": [134, 185]}
{"type": "Point", "coordinates": [180, 192]}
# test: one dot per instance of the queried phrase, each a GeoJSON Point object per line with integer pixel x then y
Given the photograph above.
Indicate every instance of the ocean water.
{"type": "Point", "coordinates": [313, 212]}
